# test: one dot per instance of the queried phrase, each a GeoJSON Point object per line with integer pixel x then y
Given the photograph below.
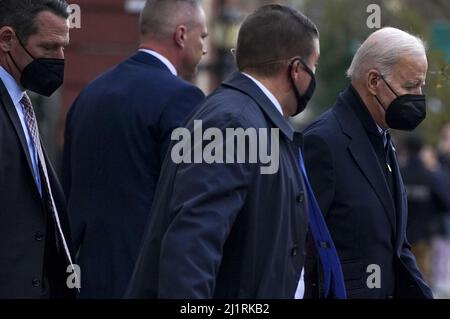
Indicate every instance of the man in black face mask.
{"type": "Point", "coordinates": [35, 243]}
{"type": "Point", "coordinates": [352, 163]}
{"type": "Point", "coordinates": [302, 99]}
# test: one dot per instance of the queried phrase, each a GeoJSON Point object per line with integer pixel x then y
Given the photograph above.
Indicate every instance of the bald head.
{"type": "Point", "coordinates": [382, 50]}
{"type": "Point", "coordinates": [159, 18]}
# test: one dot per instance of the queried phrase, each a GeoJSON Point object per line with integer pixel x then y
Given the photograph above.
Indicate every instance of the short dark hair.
{"type": "Point", "coordinates": [21, 14]}
{"type": "Point", "coordinates": [272, 35]}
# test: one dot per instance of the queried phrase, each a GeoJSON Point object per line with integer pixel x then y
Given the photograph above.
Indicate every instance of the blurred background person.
{"type": "Point", "coordinates": [428, 201]}
{"type": "Point", "coordinates": [117, 135]}
{"type": "Point", "coordinates": [444, 150]}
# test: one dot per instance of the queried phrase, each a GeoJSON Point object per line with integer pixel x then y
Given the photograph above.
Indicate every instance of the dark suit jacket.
{"type": "Point", "coordinates": [367, 223]}
{"type": "Point", "coordinates": [27, 233]}
{"type": "Point", "coordinates": [117, 134]}
{"type": "Point", "coordinates": [226, 230]}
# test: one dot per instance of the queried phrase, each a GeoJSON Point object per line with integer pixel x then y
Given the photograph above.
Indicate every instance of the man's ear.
{"type": "Point", "coordinates": [180, 36]}
{"type": "Point", "coordinates": [6, 37]}
{"type": "Point", "coordinates": [373, 81]}
{"type": "Point", "coordinates": [295, 69]}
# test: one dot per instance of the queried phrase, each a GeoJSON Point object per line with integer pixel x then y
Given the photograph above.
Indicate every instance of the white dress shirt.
{"type": "Point", "coordinates": [163, 59]}
{"type": "Point", "coordinates": [269, 94]}
{"type": "Point", "coordinates": [383, 134]}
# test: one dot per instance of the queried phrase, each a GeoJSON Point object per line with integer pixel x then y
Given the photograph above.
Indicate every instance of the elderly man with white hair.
{"type": "Point", "coordinates": [353, 168]}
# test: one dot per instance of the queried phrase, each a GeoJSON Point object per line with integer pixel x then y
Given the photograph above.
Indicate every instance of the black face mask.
{"type": "Point", "coordinates": [406, 112]}
{"type": "Point", "coordinates": [302, 100]}
{"type": "Point", "coordinates": [43, 76]}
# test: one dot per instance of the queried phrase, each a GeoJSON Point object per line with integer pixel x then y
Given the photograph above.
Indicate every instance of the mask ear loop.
{"type": "Point", "coordinates": [378, 99]}
{"type": "Point", "coordinates": [14, 62]}
{"type": "Point", "coordinates": [389, 86]}
{"type": "Point", "coordinates": [28, 52]}
{"type": "Point", "coordinates": [296, 92]}
{"type": "Point", "coordinates": [307, 69]}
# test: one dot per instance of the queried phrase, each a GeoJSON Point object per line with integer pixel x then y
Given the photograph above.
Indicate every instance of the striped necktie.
{"type": "Point", "coordinates": [33, 130]}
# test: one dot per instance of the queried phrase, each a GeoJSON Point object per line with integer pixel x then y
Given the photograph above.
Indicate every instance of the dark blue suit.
{"type": "Point", "coordinates": [226, 230]}
{"type": "Point", "coordinates": [117, 135]}
{"type": "Point", "coordinates": [365, 213]}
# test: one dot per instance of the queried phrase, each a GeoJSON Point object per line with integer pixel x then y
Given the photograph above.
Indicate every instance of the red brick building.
{"type": "Point", "coordinates": [109, 33]}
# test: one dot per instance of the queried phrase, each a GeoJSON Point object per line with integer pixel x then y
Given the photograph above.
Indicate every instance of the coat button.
{"type": "Point", "coordinates": [294, 251]}
{"type": "Point", "coordinates": [36, 283]}
{"type": "Point", "coordinates": [301, 197]}
{"type": "Point", "coordinates": [38, 236]}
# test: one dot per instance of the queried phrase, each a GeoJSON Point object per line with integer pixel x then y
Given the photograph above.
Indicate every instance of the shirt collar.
{"type": "Point", "coordinates": [162, 59]}
{"type": "Point", "coordinates": [14, 90]}
{"type": "Point", "coordinates": [269, 94]}
{"type": "Point", "coordinates": [383, 133]}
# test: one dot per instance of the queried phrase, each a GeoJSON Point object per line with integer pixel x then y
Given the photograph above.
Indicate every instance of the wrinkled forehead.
{"type": "Point", "coordinates": [52, 29]}
{"type": "Point", "coordinates": [411, 68]}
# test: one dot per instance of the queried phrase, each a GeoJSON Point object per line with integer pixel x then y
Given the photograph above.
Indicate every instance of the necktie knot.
{"type": "Point", "coordinates": [26, 102]}
{"type": "Point", "coordinates": [30, 119]}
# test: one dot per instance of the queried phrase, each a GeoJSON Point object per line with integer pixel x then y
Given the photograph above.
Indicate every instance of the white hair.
{"type": "Point", "coordinates": [381, 51]}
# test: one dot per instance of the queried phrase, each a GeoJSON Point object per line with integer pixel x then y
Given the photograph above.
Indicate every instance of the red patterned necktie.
{"type": "Point", "coordinates": [30, 120]}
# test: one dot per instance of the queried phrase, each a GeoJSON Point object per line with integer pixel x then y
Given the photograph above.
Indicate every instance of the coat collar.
{"type": "Point", "coordinates": [242, 83]}
{"type": "Point", "coordinates": [161, 58]}
{"type": "Point", "coordinates": [148, 59]}
{"type": "Point", "coordinates": [355, 101]}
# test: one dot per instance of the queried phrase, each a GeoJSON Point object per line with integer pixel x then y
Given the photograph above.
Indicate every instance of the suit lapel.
{"type": "Point", "coordinates": [364, 155]}
{"type": "Point", "coordinates": [12, 113]}
{"type": "Point", "coordinates": [367, 162]}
